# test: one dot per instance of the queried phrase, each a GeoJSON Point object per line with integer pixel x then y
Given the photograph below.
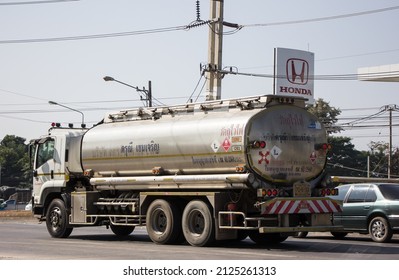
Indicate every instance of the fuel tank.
{"type": "Point", "coordinates": [274, 138]}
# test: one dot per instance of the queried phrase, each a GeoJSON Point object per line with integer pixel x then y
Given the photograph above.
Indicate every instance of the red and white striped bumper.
{"type": "Point", "coordinates": [312, 205]}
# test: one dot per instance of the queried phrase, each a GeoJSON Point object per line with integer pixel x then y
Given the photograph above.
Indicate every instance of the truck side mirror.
{"type": "Point", "coordinates": [35, 173]}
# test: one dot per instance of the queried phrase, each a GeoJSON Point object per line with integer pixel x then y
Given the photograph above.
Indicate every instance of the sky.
{"type": "Point", "coordinates": [37, 63]}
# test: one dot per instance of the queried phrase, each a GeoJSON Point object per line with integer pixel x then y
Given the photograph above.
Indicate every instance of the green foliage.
{"type": "Point", "coordinates": [378, 158]}
{"type": "Point", "coordinates": [14, 161]}
{"type": "Point", "coordinates": [344, 159]}
{"type": "Point", "coordinates": [326, 114]}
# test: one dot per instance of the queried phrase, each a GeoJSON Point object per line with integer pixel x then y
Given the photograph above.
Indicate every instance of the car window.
{"type": "Point", "coordinates": [342, 191]}
{"type": "Point", "coordinates": [371, 196]}
{"type": "Point", "coordinates": [390, 191]}
{"type": "Point", "coordinates": [358, 194]}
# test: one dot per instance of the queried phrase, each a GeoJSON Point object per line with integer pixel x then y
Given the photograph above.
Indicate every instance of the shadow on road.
{"type": "Point", "coordinates": [356, 245]}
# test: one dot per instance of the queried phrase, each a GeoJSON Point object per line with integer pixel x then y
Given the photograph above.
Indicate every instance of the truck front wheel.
{"type": "Point", "coordinates": [57, 219]}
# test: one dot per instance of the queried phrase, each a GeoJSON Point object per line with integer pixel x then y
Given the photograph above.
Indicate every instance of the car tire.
{"type": "Point", "coordinates": [339, 234]}
{"type": "Point", "coordinates": [301, 234]}
{"type": "Point", "coordinates": [380, 230]}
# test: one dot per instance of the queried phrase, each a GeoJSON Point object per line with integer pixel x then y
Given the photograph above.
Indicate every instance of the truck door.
{"type": "Point", "coordinates": [43, 169]}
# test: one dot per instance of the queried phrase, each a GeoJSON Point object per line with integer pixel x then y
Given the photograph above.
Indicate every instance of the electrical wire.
{"type": "Point", "coordinates": [365, 118]}
{"type": "Point", "coordinates": [201, 90]}
{"type": "Point", "coordinates": [325, 77]}
{"type": "Point", "coordinates": [175, 28]}
{"type": "Point", "coordinates": [338, 165]}
{"type": "Point", "coordinates": [95, 36]}
{"type": "Point", "coordinates": [189, 100]}
{"type": "Point", "coordinates": [322, 18]}
{"type": "Point", "coordinates": [35, 2]}
{"type": "Point", "coordinates": [22, 119]}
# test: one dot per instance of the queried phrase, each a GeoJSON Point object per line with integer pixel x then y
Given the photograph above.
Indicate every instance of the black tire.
{"type": "Point", "coordinates": [163, 222]}
{"type": "Point", "coordinates": [57, 220]}
{"type": "Point", "coordinates": [198, 224]}
{"type": "Point", "coordinates": [380, 230]}
{"type": "Point", "coordinates": [121, 230]}
{"type": "Point", "coordinates": [241, 234]}
{"type": "Point", "coordinates": [339, 234]}
{"type": "Point", "coordinates": [266, 238]}
{"type": "Point", "coordinates": [301, 234]}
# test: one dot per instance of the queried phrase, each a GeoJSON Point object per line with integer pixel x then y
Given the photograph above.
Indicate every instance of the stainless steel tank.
{"type": "Point", "coordinates": [278, 143]}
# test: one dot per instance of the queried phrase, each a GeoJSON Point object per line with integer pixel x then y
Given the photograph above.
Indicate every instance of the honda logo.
{"type": "Point", "coordinates": [297, 71]}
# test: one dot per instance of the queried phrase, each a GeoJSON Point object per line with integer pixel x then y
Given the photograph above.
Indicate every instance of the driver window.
{"type": "Point", "coordinates": [45, 152]}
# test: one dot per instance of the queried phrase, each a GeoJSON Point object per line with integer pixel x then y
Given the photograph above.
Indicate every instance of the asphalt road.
{"type": "Point", "coordinates": [28, 240]}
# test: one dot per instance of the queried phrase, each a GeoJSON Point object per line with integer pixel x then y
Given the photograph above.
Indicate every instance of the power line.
{"type": "Point", "coordinates": [323, 18]}
{"type": "Point", "coordinates": [21, 94]}
{"type": "Point", "coordinates": [35, 2]}
{"type": "Point", "coordinates": [22, 119]}
{"type": "Point", "coordinates": [338, 165]}
{"type": "Point", "coordinates": [169, 29]}
{"type": "Point", "coordinates": [364, 118]}
{"type": "Point", "coordinates": [95, 36]}
{"type": "Point", "coordinates": [331, 58]}
{"type": "Point", "coordinates": [326, 77]}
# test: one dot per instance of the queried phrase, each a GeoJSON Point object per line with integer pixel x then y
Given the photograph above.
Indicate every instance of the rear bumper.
{"type": "Point", "coordinates": [283, 223]}
{"type": "Point", "coordinates": [300, 229]}
{"type": "Point", "coordinates": [305, 205]}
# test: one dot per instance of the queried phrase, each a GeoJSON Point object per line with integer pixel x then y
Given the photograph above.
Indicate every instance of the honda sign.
{"type": "Point", "coordinates": [293, 74]}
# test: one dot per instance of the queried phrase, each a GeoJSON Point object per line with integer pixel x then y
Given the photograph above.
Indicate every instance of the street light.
{"type": "Point", "coordinates": [148, 93]}
{"type": "Point", "coordinates": [83, 125]}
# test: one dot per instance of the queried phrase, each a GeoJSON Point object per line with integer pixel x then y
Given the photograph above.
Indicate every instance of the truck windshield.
{"type": "Point", "coordinates": [45, 151]}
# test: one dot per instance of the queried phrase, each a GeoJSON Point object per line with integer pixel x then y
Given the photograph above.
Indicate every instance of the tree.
{"type": "Point", "coordinates": [344, 159]}
{"type": "Point", "coordinates": [326, 114]}
{"type": "Point", "coordinates": [14, 161]}
{"type": "Point", "coordinates": [378, 154]}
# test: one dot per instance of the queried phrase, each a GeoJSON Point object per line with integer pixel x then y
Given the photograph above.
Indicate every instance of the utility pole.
{"type": "Point", "coordinates": [390, 141]}
{"type": "Point", "coordinates": [390, 108]}
{"type": "Point", "coordinates": [215, 46]}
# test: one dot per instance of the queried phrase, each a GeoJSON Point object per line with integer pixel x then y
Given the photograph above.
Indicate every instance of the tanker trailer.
{"type": "Point", "coordinates": [198, 172]}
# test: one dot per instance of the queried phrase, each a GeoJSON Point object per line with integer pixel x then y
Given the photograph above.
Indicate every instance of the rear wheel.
{"type": "Point", "coordinates": [198, 225]}
{"type": "Point", "coordinates": [301, 234]}
{"type": "Point", "coordinates": [266, 238]}
{"type": "Point", "coordinates": [163, 222]}
{"type": "Point", "coordinates": [121, 230]}
{"type": "Point", "coordinates": [339, 234]}
{"type": "Point", "coordinates": [57, 219]}
{"type": "Point", "coordinates": [380, 230]}
{"type": "Point", "coordinates": [241, 234]}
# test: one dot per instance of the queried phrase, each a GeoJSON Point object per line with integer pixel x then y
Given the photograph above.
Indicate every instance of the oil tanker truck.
{"type": "Point", "coordinates": [196, 173]}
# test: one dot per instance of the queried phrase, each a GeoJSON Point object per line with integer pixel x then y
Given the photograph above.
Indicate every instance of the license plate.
{"type": "Point", "coordinates": [302, 189]}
